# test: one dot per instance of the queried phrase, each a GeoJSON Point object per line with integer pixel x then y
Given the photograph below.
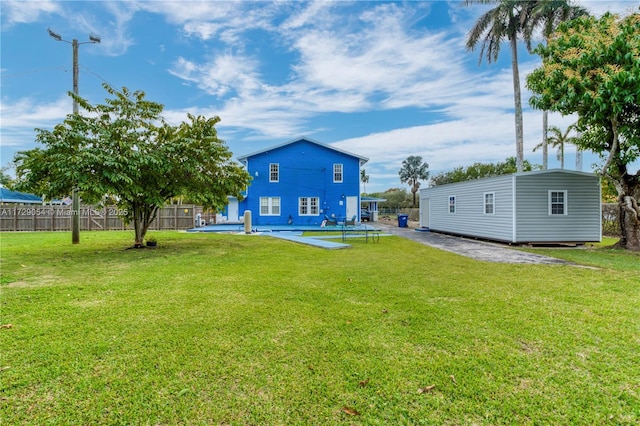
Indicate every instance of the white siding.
{"type": "Point", "coordinates": [582, 221]}
{"type": "Point", "coordinates": [469, 218]}
{"type": "Point", "coordinates": [521, 207]}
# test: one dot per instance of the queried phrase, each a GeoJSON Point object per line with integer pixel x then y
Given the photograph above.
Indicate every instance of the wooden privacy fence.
{"type": "Point", "coordinates": [92, 218]}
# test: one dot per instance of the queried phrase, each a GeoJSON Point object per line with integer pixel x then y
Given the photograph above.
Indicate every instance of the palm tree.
{"type": "Point", "coordinates": [412, 172]}
{"type": "Point", "coordinates": [548, 14]}
{"type": "Point", "coordinates": [364, 178]}
{"type": "Point", "coordinates": [505, 21]}
{"type": "Point", "coordinates": [558, 140]}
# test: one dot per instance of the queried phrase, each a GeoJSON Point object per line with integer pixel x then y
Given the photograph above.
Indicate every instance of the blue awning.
{"type": "Point", "coordinates": [8, 196]}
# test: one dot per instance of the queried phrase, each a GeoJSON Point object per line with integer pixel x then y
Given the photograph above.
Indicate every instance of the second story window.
{"type": "Point", "coordinates": [337, 173]}
{"type": "Point", "coordinates": [274, 172]}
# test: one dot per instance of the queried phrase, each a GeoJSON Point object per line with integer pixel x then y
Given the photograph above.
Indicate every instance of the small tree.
{"type": "Point", "coordinates": [412, 172]}
{"type": "Point", "coordinates": [479, 171]}
{"type": "Point", "coordinates": [364, 178]}
{"type": "Point", "coordinates": [590, 66]}
{"type": "Point", "coordinates": [396, 198]}
{"type": "Point", "coordinates": [124, 149]}
{"type": "Point", "coordinates": [559, 140]}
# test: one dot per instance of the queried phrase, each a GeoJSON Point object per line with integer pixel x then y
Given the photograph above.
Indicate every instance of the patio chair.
{"type": "Point", "coordinates": [329, 221]}
{"type": "Point", "coordinates": [351, 222]}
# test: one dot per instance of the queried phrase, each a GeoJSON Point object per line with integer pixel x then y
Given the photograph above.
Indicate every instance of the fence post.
{"type": "Point", "coordinates": [175, 216]}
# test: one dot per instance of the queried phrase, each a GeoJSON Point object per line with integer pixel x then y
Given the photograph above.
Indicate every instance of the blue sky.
{"type": "Point", "coordinates": [384, 80]}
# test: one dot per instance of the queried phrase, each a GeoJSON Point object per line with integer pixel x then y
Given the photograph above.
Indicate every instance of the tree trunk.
{"type": "Point", "coordinates": [629, 223]}
{"type": "Point", "coordinates": [143, 215]}
{"type": "Point", "coordinates": [518, 104]}
{"type": "Point", "coordinates": [545, 139]}
{"type": "Point", "coordinates": [628, 187]}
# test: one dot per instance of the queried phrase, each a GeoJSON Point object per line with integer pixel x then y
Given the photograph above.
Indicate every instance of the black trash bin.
{"type": "Point", "coordinates": [403, 220]}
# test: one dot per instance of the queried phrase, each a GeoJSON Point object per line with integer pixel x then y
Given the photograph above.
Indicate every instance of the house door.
{"type": "Point", "coordinates": [352, 207]}
{"type": "Point", "coordinates": [232, 210]}
{"type": "Point", "coordinates": [424, 212]}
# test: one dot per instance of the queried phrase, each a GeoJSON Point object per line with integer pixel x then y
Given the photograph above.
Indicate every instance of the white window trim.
{"type": "Point", "coordinates": [270, 206]}
{"type": "Point", "coordinates": [309, 205]}
{"type": "Point", "coordinates": [493, 203]}
{"type": "Point", "coordinates": [449, 204]}
{"type": "Point", "coordinates": [270, 174]}
{"type": "Point", "coordinates": [565, 203]}
{"type": "Point", "coordinates": [341, 173]}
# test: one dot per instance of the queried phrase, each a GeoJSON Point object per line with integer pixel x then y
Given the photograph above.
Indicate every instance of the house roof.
{"type": "Point", "coordinates": [371, 199]}
{"type": "Point", "coordinates": [244, 158]}
{"type": "Point", "coordinates": [8, 196]}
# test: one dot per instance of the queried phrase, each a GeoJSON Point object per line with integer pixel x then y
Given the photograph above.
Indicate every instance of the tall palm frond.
{"type": "Point", "coordinates": [547, 15]}
{"type": "Point", "coordinates": [504, 22]}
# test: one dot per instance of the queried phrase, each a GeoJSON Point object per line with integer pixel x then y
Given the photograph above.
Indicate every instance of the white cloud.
{"type": "Point", "coordinates": [224, 75]}
{"type": "Point", "coordinates": [21, 12]}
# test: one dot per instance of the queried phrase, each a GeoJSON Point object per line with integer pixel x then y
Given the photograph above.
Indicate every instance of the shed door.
{"type": "Point", "coordinates": [424, 212]}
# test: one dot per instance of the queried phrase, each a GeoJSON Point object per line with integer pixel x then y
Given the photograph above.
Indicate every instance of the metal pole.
{"type": "Point", "coordinates": [75, 218]}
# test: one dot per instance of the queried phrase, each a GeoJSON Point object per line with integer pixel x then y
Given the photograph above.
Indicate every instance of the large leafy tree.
{"type": "Point", "coordinates": [124, 149]}
{"type": "Point", "coordinates": [5, 179]}
{"type": "Point", "coordinates": [546, 15]}
{"type": "Point", "coordinates": [412, 172]}
{"type": "Point", "coordinates": [479, 171]}
{"type": "Point", "coordinates": [592, 67]}
{"type": "Point", "coordinates": [503, 22]}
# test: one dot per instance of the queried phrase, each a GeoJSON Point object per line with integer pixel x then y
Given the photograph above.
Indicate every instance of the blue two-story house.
{"type": "Point", "coordinates": [300, 182]}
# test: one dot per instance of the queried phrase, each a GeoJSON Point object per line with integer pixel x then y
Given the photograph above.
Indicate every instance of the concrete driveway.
{"type": "Point", "coordinates": [475, 249]}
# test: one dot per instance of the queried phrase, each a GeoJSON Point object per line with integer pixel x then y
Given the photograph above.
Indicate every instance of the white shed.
{"type": "Point", "coordinates": [549, 206]}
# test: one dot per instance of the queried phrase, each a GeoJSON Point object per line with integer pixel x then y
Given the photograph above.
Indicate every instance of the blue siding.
{"type": "Point", "coordinates": [305, 170]}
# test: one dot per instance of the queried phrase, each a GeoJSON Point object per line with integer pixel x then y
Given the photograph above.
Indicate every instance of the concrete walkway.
{"type": "Point", "coordinates": [475, 249]}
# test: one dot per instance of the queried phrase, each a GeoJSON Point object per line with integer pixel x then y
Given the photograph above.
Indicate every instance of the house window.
{"type": "Point", "coordinates": [337, 173]}
{"type": "Point", "coordinates": [489, 198]}
{"type": "Point", "coordinates": [274, 172]}
{"type": "Point", "coordinates": [557, 203]}
{"type": "Point", "coordinates": [269, 206]}
{"type": "Point", "coordinates": [452, 204]}
{"type": "Point", "coordinates": [308, 206]}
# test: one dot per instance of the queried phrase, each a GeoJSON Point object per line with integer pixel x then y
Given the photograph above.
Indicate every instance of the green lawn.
{"type": "Point", "coordinates": [250, 330]}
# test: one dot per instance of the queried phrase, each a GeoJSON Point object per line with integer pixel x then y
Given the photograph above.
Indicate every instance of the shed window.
{"type": "Point", "coordinates": [489, 198]}
{"type": "Point", "coordinates": [274, 172]}
{"type": "Point", "coordinates": [308, 206]}
{"type": "Point", "coordinates": [269, 206]}
{"type": "Point", "coordinates": [557, 203]}
{"type": "Point", "coordinates": [452, 204]}
{"type": "Point", "coordinates": [337, 173]}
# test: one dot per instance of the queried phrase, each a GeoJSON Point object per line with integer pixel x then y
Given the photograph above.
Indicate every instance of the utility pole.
{"type": "Point", "coordinates": [75, 205]}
